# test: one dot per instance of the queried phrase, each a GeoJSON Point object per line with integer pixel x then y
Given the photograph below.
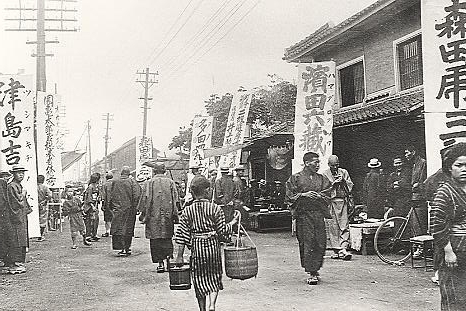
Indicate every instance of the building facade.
{"type": "Point", "coordinates": [379, 93]}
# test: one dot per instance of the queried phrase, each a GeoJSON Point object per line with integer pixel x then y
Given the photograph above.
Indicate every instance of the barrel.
{"type": "Point", "coordinates": [241, 262]}
{"type": "Point", "coordinates": [180, 277]}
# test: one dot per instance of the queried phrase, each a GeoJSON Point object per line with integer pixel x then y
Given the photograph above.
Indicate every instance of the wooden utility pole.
{"type": "Point", "coordinates": [147, 83]}
{"type": "Point", "coordinates": [108, 117]}
{"type": "Point", "coordinates": [41, 27]}
{"type": "Point", "coordinates": [89, 146]}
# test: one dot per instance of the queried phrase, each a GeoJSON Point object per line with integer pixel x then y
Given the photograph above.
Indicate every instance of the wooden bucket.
{"type": "Point", "coordinates": [180, 277]}
{"type": "Point", "coordinates": [241, 262]}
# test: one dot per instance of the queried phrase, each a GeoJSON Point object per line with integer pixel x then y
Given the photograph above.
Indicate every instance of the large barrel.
{"type": "Point", "coordinates": [180, 277]}
{"type": "Point", "coordinates": [241, 262]}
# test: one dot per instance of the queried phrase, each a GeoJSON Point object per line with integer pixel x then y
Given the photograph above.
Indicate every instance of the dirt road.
{"type": "Point", "coordinates": [93, 278]}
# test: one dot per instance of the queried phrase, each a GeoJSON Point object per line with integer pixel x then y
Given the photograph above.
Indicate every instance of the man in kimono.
{"type": "Point", "coordinates": [339, 224]}
{"type": "Point", "coordinates": [159, 207]}
{"type": "Point", "coordinates": [124, 198]}
{"type": "Point", "coordinates": [308, 192]}
{"type": "Point", "coordinates": [108, 213]}
{"type": "Point", "coordinates": [18, 211]}
{"type": "Point", "coordinates": [44, 195]}
{"type": "Point", "coordinates": [5, 225]}
{"type": "Point", "coordinates": [224, 193]}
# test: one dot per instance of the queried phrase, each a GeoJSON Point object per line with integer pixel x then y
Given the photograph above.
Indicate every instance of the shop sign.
{"type": "Point", "coordinates": [143, 154]}
{"type": "Point", "coordinates": [201, 139]}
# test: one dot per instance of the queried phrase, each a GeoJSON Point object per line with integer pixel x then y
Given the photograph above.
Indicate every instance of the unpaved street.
{"type": "Point", "coordinates": [93, 278]}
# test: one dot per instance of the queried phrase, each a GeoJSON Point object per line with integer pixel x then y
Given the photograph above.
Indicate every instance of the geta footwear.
{"type": "Point", "coordinates": [121, 253]}
{"type": "Point", "coordinates": [105, 235]}
{"type": "Point", "coordinates": [95, 239]}
{"type": "Point", "coordinates": [434, 280]}
{"type": "Point", "coordinates": [160, 269]}
{"type": "Point", "coordinates": [335, 256]}
{"type": "Point", "coordinates": [17, 269]}
{"type": "Point", "coordinates": [312, 280]}
{"type": "Point", "coordinates": [86, 242]}
{"type": "Point", "coordinates": [40, 239]}
{"type": "Point", "coordinates": [74, 247]}
{"type": "Point", "coordinates": [344, 255]}
{"type": "Point", "coordinates": [128, 252]}
{"type": "Point", "coordinates": [52, 229]}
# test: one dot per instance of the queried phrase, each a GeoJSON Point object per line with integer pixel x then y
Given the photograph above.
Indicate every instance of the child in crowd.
{"type": "Point", "coordinates": [73, 207]}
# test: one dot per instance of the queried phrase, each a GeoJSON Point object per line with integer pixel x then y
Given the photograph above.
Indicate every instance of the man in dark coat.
{"type": "Point", "coordinates": [224, 193]}
{"type": "Point", "coordinates": [5, 225]}
{"type": "Point", "coordinates": [124, 198]}
{"type": "Point", "coordinates": [18, 210]}
{"type": "Point", "coordinates": [159, 207]}
{"type": "Point", "coordinates": [399, 188]}
{"type": "Point", "coordinates": [108, 213]}
{"type": "Point", "coordinates": [309, 195]}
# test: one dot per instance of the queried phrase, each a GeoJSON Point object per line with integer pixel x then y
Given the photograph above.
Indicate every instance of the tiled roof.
{"type": "Point", "coordinates": [326, 31]}
{"type": "Point", "coordinates": [387, 107]}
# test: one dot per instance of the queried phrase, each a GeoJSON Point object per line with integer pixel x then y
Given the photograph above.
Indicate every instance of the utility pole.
{"type": "Point", "coordinates": [44, 23]}
{"type": "Point", "coordinates": [108, 117]}
{"type": "Point", "coordinates": [89, 146]}
{"type": "Point", "coordinates": [147, 83]}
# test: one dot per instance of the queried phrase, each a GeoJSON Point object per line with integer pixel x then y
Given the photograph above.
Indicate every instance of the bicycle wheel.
{"type": "Point", "coordinates": [391, 240]}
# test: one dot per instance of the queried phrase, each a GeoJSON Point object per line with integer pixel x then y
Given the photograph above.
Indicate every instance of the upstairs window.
{"type": "Point", "coordinates": [352, 84]}
{"type": "Point", "coordinates": [410, 63]}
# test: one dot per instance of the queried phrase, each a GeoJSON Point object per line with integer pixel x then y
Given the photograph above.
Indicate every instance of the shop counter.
{"type": "Point", "coordinates": [270, 220]}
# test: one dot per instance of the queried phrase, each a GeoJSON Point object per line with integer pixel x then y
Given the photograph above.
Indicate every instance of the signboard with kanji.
{"type": "Point", "coordinates": [201, 139]}
{"type": "Point", "coordinates": [444, 55]}
{"type": "Point", "coordinates": [48, 135]}
{"type": "Point", "coordinates": [143, 154]}
{"type": "Point", "coordinates": [313, 114]}
{"type": "Point", "coordinates": [17, 143]}
{"type": "Point", "coordinates": [236, 127]}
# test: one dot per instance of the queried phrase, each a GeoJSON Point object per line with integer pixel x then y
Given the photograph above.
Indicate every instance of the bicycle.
{"type": "Point", "coordinates": [392, 238]}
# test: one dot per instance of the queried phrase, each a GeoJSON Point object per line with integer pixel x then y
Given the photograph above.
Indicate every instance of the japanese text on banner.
{"type": "Point", "coordinates": [313, 114]}
{"type": "Point", "coordinates": [201, 139]}
{"type": "Point", "coordinates": [143, 154]}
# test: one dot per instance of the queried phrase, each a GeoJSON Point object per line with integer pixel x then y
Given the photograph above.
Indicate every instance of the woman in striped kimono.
{"type": "Point", "coordinates": [448, 227]}
{"type": "Point", "coordinates": [200, 226]}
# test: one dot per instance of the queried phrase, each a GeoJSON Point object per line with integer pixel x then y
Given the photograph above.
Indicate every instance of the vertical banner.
{"type": "Point", "coordinates": [17, 142]}
{"type": "Point", "coordinates": [444, 71]}
{"type": "Point", "coordinates": [313, 114]}
{"type": "Point", "coordinates": [143, 154]}
{"type": "Point", "coordinates": [201, 139]}
{"type": "Point", "coordinates": [48, 140]}
{"type": "Point", "coordinates": [236, 127]}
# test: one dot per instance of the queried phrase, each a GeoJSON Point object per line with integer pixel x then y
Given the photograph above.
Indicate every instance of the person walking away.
{"type": "Point", "coordinates": [339, 224]}
{"type": "Point", "coordinates": [374, 190]}
{"type": "Point", "coordinates": [201, 224]}
{"type": "Point", "coordinates": [124, 199]}
{"type": "Point", "coordinates": [224, 193]}
{"type": "Point", "coordinates": [159, 207]}
{"type": "Point", "coordinates": [18, 209]}
{"type": "Point", "coordinates": [44, 196]}
{"type": "Point", "coordinates": [108, 213]}
{"type": "Point", "coordinates": [448, 227]}
{"type": "Point", "coordinates": [91, 207]}
{"type": "Point", "coordinates": [5, 225]}
{"type": "Point", "coordinates": [196, 169]}
{"type": "Point", "coordinates": [239, 195]}
{"type": "Point", "coordinates": [308, 192]}
{"type": "Point", "coordinates": [73, 207]}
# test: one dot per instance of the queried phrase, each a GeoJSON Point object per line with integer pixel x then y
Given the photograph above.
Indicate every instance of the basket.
{"type": "Point", "coordinates": [241, 261]}
{"type": "Point", "coordinates": [180, 277]}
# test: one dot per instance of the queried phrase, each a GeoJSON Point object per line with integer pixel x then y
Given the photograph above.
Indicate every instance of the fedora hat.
{"type": "Point", "coordinates": [239, 168]}
{"type": "Point", "coordinates": [17, 168]}
{"type": "Point", "coordinates": [195, 166]}
{"type": "Point", "coordinates": [374, 163]}
{"type": "Point", "coordinates": [224, 169]}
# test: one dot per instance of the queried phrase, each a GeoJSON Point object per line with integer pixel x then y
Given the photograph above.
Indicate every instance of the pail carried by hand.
{"type": "Point", "coordinates": [180, 276]}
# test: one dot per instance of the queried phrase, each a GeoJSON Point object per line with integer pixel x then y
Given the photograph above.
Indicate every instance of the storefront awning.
{"type": "Point", "coordinates": [392, 106]}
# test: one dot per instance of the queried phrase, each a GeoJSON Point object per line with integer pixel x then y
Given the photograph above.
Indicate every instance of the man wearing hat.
{"type": "Point", "coordinates": [159, 206]}
{"type": "Point", "coordinates": [224, 193]}
{"type": "Point", "coordinates": [5, 225]}
{"type": "Point", "coordinates": [18, 210]}
{"type": "Point", "coordinates": [399, 188]}
{"type": "Point", "coordinates": [240, 192]}
{"type": "Point", "coordinates": [374, 190]}
{"type": "Point", "coordinates": [195, 171]}
{"type": "Point", "coordinates": [124, 198]}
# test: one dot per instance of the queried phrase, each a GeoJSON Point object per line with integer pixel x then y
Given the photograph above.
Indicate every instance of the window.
{"type": "Point", "coordinates": [352, 84]}
{"type": "Point", "coordinates": [410, 63]}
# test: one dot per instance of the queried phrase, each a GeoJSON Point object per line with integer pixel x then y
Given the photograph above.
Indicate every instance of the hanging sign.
{"type": "Point", "coordinates": [143, 154]}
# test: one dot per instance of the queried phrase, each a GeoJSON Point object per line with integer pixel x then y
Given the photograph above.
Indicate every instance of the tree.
{"type": "Point", "coordinates": [183, 140]}
{"type": "Point", "coordinates": [219, 108]}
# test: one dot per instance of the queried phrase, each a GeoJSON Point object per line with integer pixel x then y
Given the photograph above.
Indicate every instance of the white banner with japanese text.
{"type": "Point", "coordinates": [313, 112]}
{"type": "Point", "coordinates": [201, 139]}
{"type": "Point", "coordinates": [236, 127]}
{"type": "Point", "coordinates": [17, 143]}
{"type": "Point", "coordinates": [48, 136]}
{"type": "Point", "coordinates": [143, 154]}
{"type": "Point", "coordinates": [444, 71]}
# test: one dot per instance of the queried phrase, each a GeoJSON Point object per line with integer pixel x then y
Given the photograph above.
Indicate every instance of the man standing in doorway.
{"type": "Point", "coordinates": [124, 198]}
{"type": "Point", "coordinates": [339, 224]}
{"type": "Point", "coordinates": [308, 192]}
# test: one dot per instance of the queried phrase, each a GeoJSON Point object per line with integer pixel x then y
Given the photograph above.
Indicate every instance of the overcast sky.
{"type": "Point", "coordinates": [198, 47]}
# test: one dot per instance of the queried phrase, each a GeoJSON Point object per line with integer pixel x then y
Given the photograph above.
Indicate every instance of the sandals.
{"type": "Point", "coordinates": [312, 280]}
{"type": "Point", "coordinates": [335, 256]}
{"type": "Point", "coordinates": [74, 247]}
{"type": "Point", "coordinates": [160, 269]}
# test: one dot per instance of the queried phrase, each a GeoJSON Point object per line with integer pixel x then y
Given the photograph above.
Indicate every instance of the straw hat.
{"type": "Point", "coordinates": [17, 168]}
{"type": "Point", "coordinates": [374, 163]}
{"type": "Point", "coordinates": [224, 169]}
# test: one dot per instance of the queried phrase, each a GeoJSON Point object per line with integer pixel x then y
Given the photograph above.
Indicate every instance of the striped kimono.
{"type": "Point", "coordinates": [448, 224]}
{"type": "Point", "coordinates": [200, 226]}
